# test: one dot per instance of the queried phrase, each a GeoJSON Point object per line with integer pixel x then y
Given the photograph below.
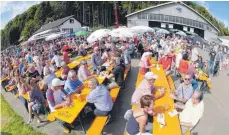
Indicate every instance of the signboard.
{"type": "Point", "coordinates": [163, 25]}
{"type": "Point", "coordinates": [179, 9]}
{"type": "Point", "coordinates": [171, 26]}
{"type": "Point", "coordinates": [192, 30]}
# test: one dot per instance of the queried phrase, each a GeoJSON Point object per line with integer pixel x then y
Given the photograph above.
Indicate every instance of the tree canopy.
{"type": "Point", "coordinates": [90, 13]}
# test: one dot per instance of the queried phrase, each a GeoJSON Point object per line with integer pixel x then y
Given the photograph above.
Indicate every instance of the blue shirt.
{"type": "Point", "coordinates": [194, 84]}
{"type": "Point", "coordinates": [187, 92]}
{"type": "Point", "coordinates": [70, 86]}
{"type": "Point", "coordinates": [101, 98]}
{"type": "Point", "coordinates": [29, 59]}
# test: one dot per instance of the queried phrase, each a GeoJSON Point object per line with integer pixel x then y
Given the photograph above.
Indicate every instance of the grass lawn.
{"type": "Point", "coordinates": [12, 123]}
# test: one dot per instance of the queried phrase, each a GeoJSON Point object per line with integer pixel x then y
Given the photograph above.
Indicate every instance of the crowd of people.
{"type": "Point", "coordinates": [34, 65]}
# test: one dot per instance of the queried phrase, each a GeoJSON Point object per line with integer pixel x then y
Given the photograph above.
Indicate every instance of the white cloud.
{"type": "Point", "coordinates": [12, 9]}
{"type": "Point", "coordinates": [226, 23]}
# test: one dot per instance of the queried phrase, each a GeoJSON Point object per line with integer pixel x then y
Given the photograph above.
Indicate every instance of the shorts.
{"type": "Point", "coordinates": [36, 107]}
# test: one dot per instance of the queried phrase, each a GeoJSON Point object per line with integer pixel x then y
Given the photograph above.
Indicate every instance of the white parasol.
{"type": "Point", "coordinates": [121, 33]}
{"type": "Point", "coordinates": [52, 37]}
{"type": "Point", "coordinates": [181, 33]}
{"type": "Point", "coordinates": [162, 31]}
{"type": "Point", "coordinates": [142, 29]}
{"type": "Point", "coordinates": [97, 35]}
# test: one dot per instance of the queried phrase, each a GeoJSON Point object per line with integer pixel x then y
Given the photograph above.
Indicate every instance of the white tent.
{"type": "Point", "coordinates": [97, 35]}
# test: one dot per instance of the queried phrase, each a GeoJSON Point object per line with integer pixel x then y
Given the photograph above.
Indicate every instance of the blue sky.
{"type": "Point", "coordinates": [218, 9]}
{"type": "Point", "coordinates": [9, 9]}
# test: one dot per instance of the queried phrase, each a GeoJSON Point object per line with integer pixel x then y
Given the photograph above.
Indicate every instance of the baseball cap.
{"type": "Point", "coordinates": [57, 82]}
{"type": "Point", "coordinates": [150, 75]}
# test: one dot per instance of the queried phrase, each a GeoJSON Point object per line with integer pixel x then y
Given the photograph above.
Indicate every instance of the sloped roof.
{"type": "Point", "coordinates": [53, 24]}
{"type": "Point", "coordinates": [171, 3]}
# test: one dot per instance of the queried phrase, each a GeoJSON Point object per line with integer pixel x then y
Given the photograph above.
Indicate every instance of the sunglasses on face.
{"type": "Point", "coordinates": [187, 79]}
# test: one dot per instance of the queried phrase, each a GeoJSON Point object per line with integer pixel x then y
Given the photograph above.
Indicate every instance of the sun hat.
{"type": "Point", "coordinates": [57, 82]}
{"type": "Point", "coordinates": [150, 75]}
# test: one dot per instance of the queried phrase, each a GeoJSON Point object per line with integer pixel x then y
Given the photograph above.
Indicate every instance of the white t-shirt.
{"type": "Point", "coordinates": [58, 98]}
{"type": "Point", "coordinates": [57, 60]}
{"type": "Point", "coordinates": [192, 113]}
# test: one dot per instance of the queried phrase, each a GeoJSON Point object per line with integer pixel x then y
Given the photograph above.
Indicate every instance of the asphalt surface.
{"type": "Point", "coordinates": [215, 120]}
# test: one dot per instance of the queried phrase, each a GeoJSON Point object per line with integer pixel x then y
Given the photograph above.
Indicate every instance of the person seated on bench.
{"type": "Point", "coordinates": [49, 76]}
{"type": "Point", "coordinates": [144, 64]}
{"type": "Point", "coordinates": [82, 51]}
{"type": "Point", "coordinates": [56, 59]}
{"type": "Point", "coordinates": [36, 100]}
{"type": "Point", "coordinates": [73, 84]}
{"type": "Point", "coordinates": [146, 87]}
{"type": "Point", "coordinates": [116, 77]}
{"type": "Point", "coordinates": [126, 56]}
{"type": "Point", "coordinates": [192, 111]}
{"type": "Point", "coordinates": [166, 62]}
{"type": "Point", "coordinates": [184, 64]}
{"type": "Point", "coordinates": [33, 73]}
{"type": "Point", "coordinates": [58, 98]}
{"type": "Point", "coordinates": [106, 55]}
{"type": "Point", "coordinates": [83, 72]}
{"type": "Point", "coordinates": [184, 91]}
{"type": "Point", "coordinates": [48, 65]}
{"type": "Point", "coordinates": [96, 61]}
{"type": "Point", "coordinates": [138, 122]}
{"type": "Point", "coordinates": [100, 97]}
{"type": "Point", "coordinates": [65, 70]}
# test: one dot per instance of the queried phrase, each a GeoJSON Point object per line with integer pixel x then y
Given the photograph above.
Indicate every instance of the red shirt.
{"type": "Point", "coordinates": [66, 57]}
{"type": "Point", "coordinates": [183, 66]}
{"type": "Point", "coordinates": [166, 62]}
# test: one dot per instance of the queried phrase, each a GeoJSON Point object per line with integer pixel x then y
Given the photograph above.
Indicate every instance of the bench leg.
{"type": "Point", "coordinates": [81, 124]}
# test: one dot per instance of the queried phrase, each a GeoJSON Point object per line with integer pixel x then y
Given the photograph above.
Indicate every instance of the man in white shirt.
{"type": "Point", "coordinates": [192, 111]}
{"type": "Point", "coordinates": [57, 60]}
{"type": "Point", "coordinates": [195, 54]}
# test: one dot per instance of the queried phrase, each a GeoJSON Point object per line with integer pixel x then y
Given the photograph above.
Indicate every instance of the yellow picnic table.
{"type": "Point", "coordinates": [172, 126]}
{"type": "Point", "coordinates": [4, 78]}
{"type": "Point", "coordinates": [69, 114]}
{"type": "Point", "coordinates": [73, 64]}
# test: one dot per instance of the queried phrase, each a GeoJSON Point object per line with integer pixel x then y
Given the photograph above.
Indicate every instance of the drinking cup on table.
{"type": "Point", "coordinates": [79, 97]}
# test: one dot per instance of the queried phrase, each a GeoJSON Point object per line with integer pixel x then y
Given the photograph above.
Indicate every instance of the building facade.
{"type": "Point", "coordinates": [174, 15]}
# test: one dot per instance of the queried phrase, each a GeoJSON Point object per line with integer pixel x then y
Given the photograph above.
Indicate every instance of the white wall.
{"type": "Point", "coordinates": [76, 25]}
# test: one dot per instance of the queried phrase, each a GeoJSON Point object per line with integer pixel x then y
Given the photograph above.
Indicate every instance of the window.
{"type": "Point", "coordinates": [139, 16]}
{"type": "Point", "coordinates": [144, 16]}
{"type": "Point", "coordinates": [157, 17]}
{"type": "Point", "coordinates": [151, 16]}
{"type": "Point", "coordinates": [174, 19]}
{"type": "Point", "coordinates": [65, 30]}
{"type": "Point", "coordinates": [162, 17]}
{"type": "Point", "coordinates": [166, 18]}
{"type": "Point", "coordinates": [71, 20]}
{"type": "Point", "coordinates": [71, 30]}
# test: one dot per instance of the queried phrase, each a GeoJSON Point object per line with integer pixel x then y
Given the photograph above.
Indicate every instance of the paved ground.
{"type": "Point", "coordinates": [214, 122]}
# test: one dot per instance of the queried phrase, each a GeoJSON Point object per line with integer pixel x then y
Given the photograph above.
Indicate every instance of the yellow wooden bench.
{"type": "Point", "coordinates": [188, 133]}
{"type": "Point", "coordinates": [100, 121]}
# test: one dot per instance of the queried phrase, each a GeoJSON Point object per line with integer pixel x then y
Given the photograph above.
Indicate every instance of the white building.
{"type": "Point", "coordinates": [176, 15]}
{"type": "Point", "coordinates": [64, 25]}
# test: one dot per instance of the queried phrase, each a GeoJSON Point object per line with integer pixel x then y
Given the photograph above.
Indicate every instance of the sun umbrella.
{"type": "Point", "coordinates": [162, 31]}
{"type": "Point", "coordinates": [191, 33]}
{"type": "Point", "coordinates": [181, 33]}
{"type": "Point", "coordinates": [122, 33]}
{"type": "Point", "coordinates": [155, 28]}
{"type": "Point", "coordinates": [142, 29]}
{"type": "Point", "coordinates": [97, 35]}
{"type": "Point", "coordinates": [196, 38]}
{"type": "Point", "coordinates": [52, 37]}
{"type": "Point", "coordinates": [174, 30]}
{"type": "Point", "coordinates": [81, 33]}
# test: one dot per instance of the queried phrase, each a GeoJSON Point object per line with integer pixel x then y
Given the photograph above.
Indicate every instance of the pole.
{"type": "Point", "coordinates": [116, 15]}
